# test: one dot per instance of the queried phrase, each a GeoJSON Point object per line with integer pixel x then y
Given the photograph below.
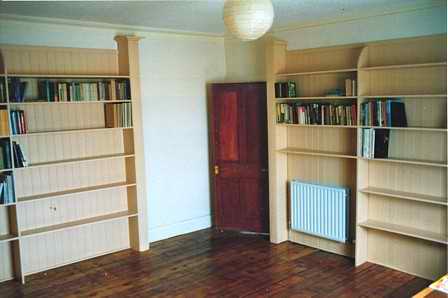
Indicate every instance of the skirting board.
{"type": "Point", "coordinates": [322, 244]}
{"type": "Point", "coordinates": [180, 228]}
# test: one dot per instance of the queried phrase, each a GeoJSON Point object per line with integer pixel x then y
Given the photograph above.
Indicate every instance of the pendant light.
{"type": "Point", "coordinates": [248, 19]}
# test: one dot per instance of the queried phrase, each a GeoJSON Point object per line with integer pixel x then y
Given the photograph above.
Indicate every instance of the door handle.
{"type": "Point", "coordinates": [264, 170]}
{"type": "Point", "coordinates": [216, 170]}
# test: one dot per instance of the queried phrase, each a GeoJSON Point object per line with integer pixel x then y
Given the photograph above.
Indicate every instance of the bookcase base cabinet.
{"type": "Point", "coordinates": [399, 185]}
{"type": "Point", "coordinates": [78, 186]}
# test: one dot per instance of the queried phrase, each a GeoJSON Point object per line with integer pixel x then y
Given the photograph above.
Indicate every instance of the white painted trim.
{"type": "Point", "coordinates": [180, 228]}
{"type": "Point", "coordinates": [116, 27]}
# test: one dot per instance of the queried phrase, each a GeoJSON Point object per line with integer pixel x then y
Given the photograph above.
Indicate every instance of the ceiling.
{"type": "Point", "coordinates": [204, 16]}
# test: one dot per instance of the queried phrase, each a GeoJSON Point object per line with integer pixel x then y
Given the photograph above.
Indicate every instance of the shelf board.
{"type": "Point", "coordinates": [406, 231]}
{"type": "Point", "coordinates": [68, 76]}
{"type": "Point", "coordinates": [78, 223]}
{"type": "Point", "coordinates": [406, 195]}
{"type": "Point", "coordinates": [8, 237]}
{"type": "Point", "coordinates": [409, 161]}
{"type": "Point", "coordinates": [404, 95]}
{"type": "Point", "coordinates": [317, 125]}
{"type": "Point", "coordinates": [313, 98]}
{"type": "Point", "coordinates": [78, 130]}
{"type": "Point", "coordinates": [9, 204]}
{"type": "Point", "coordinates": [300, 151]}
{"type": "Point", "coordinates": [321, 72]}
{"type": "Point", "coordinates": [69, 102]}
{"type": "Point", "coordinates": [75, 160]}
{"type": "Point", "coordinates": [436, 129]}
{"type": "Point", "coordinates": [74, 191]}
{"type": "Point", "coordinates": [419, 65]}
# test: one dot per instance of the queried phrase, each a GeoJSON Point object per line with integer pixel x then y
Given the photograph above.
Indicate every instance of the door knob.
{"type": "Point", "coordinates": [264, 170]}
{"type": "Point", "coordinates": [216, 170]}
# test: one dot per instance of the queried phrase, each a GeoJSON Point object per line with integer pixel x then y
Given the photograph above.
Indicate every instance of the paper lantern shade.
{"type": "Point", "coordinates": [248, 19]}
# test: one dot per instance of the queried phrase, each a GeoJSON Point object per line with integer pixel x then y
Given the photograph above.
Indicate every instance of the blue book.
{"type": "Point", "coordinates": [388, 112]}
{"type": "Point", "coordinates": [10, 185]}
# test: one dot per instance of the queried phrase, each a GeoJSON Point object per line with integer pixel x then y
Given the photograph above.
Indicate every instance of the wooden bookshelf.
{"type": "Point", "coordinates": [422, 96]}
{"type": "Point", "coordinates": [301, 151]}
{"type": "Point", "coordinates": [406, 231]}
{"type": "Point", "coordinates": [435, 129]}
{"type": "Point", "coordinates": [70, 102]}
{"type": "Point", "coordinates": [59, 194]}
{"type": "Point", "coordinates": [84, 180]}
{"type": "Point", "coordinates": [418, 65]}
{"type": "Point", "coordinates": [399, 203]}
{"type": "Point", "coordinates": [285, 99]}
{"type": "Point", "coordinates": [319, 72]}
{"type": "Point", "coordinates": [406, 195]}
{"type": "Point", "coordinates": [78, 223]}
{"type": "Point", "coordinates": [316, 125]}
{"type": "Point", "coordinates": [66, 76]}
{"type": "Point", "coordinates": [75, 161]}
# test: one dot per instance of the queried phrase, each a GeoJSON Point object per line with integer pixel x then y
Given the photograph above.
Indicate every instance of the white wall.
{"type": "Point", "coordinates": [414, 23]}
{"type": "Point", "coordinates": [174, 73]}
{"type": "Point", "coordinates": [244, 60]}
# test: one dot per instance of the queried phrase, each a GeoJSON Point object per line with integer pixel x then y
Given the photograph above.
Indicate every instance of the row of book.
{"type": "Point", "coordinates": [17, 89]}
{"type": "Point", "coordinates": [384, 113]}
{"type": "Point", "coordinates": [63, 91]}
{"type": "Point", "coordinates": [375, 143]}
{"type": "Point", "coordinates": [6, 189]}
{"type": "Point", "coordinates": [84, 91]}
{"type": "Point", "coordinates": [18, 122]}
{"type": "Point", "coordinates": [118, 115]}
{"type": "Point", "coordinates": [317, 113]}
{"type": "Point", "coordinates": [285, 89]}
{"type": "Point", "coordinates": [20, 160]}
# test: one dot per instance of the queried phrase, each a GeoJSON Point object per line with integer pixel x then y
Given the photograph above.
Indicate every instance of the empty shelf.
{"type": "Point", "coordinates": [8, 237]}
{"type": "Point", "coordinates": [77, 130]}
{"type": "Point", "coordinates": [315, 153]}
{"type": "Point", "coordinates": [76, 160]}
{"type": "Point", "coordinates": [412, 162]}
{"type": "Point", "coordinates": [74, 191]}
{"type": "Point", "coordinates": [406, 231]}
{"type": "Point", "coordinates": [398, 66]}
{"type": "Point", "coordinates": [70, 76]}
{"type": "Point", "coordinates": [406, 195]}
{"type": "Point", "coordinates": [78, 223]}
{"type": "Point", "coordinates": [320, 72]}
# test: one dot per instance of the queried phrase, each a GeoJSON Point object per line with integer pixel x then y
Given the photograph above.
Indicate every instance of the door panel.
{"type": "Point", "coordinates": [228, 126]}
{"type": "Point", "coordinates": [239, 156]}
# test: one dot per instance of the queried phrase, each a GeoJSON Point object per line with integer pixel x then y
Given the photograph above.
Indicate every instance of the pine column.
{"type": "Point", "coordinates": [128, 64]}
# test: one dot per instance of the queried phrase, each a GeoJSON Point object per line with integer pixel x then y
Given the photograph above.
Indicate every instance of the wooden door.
{"type": "Point", "coordinates": [239, 157]}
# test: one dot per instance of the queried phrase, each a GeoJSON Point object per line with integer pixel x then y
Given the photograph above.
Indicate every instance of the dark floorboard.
{"type": "Point", "coordinates": [218, 264]}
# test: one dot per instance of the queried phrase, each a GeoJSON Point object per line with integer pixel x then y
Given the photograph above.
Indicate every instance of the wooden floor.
{"type": "Point", "coordinates": [213, 264]}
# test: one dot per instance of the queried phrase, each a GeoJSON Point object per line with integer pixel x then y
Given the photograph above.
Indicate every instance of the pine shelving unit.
{"type": "Point", "coordinates": [398, 204]}
{"type": "Point", "coordinates": [83, 193]}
